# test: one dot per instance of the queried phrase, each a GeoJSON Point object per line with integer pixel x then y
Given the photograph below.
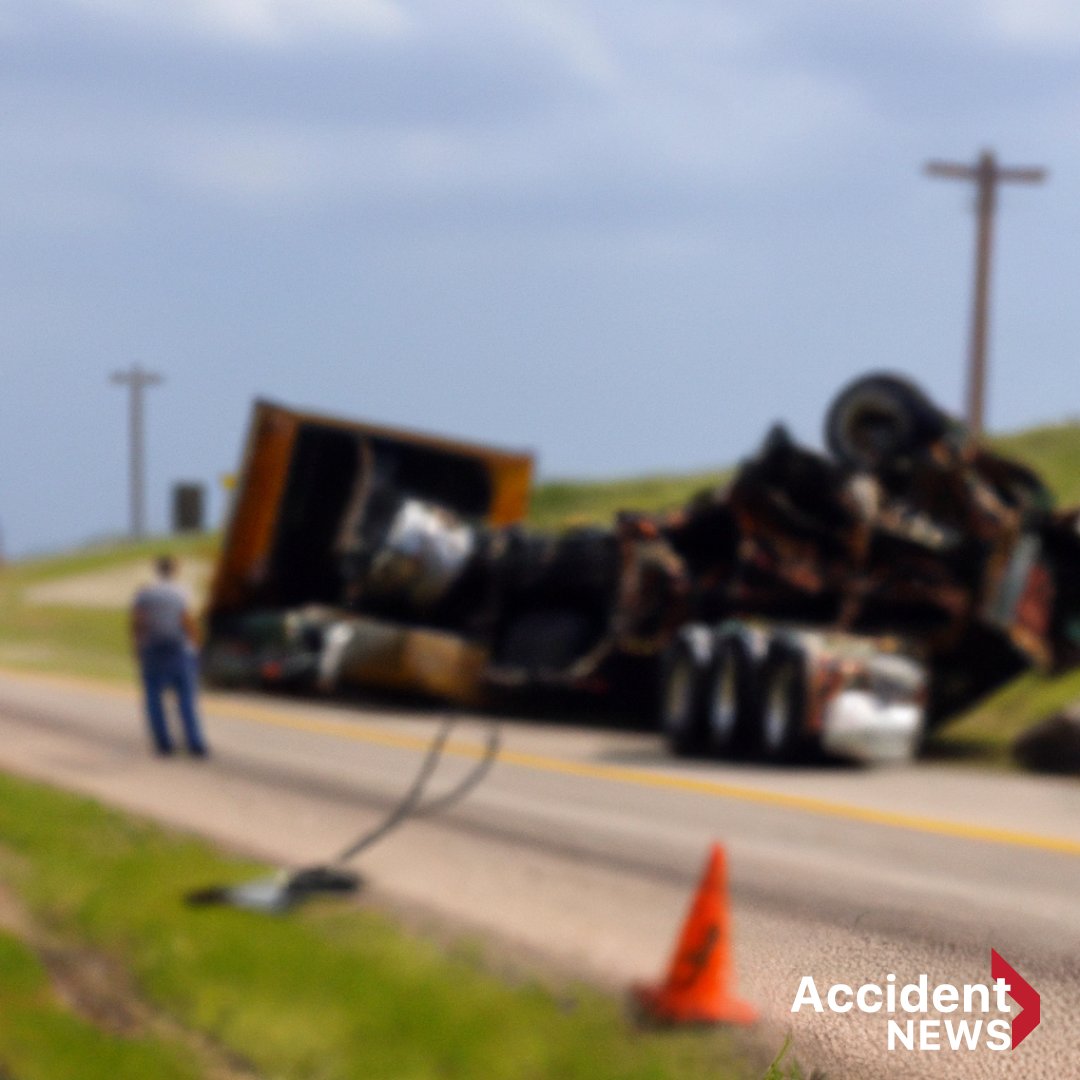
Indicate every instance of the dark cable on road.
{"type": "Point", "coordinates": [281, 892]}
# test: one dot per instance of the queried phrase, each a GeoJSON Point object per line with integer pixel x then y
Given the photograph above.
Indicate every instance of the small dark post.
{"type": "Point", "coordinates": [987, 174]}
{"type": "Point", "coordinates": [188, 508]}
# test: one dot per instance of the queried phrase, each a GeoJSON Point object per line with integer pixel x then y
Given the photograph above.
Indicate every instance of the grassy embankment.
{"type": "Point", "coordinates": [72, 638]}
{"type": "Point", "coordinates": [328, 993]}
{"type": "Point", "coordinates": [559, 502]}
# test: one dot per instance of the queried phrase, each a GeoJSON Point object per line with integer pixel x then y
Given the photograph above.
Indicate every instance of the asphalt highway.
{"type": "Point", "coordinates": [582, 847]}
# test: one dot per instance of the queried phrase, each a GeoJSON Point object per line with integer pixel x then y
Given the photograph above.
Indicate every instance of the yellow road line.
{"type": "Point", "coordinates": [223, 707]}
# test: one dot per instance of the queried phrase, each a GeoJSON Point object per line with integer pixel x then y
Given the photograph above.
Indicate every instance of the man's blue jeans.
{"type": "Point", "coordinates": [176, 668]}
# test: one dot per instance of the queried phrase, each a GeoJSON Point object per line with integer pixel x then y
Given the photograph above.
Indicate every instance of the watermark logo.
{"type": "Point", "coordinates": [1023, 993]}
{"type": "Point", "coordinates": [972, 1011]}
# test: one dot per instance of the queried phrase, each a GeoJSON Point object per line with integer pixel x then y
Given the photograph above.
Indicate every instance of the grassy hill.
{"type": "Point", "coordinates": [84, 639]}
{"type": "Point", "coordinates": [1053, 451]}
{"type": "Point", "coordinates": [557, 503]}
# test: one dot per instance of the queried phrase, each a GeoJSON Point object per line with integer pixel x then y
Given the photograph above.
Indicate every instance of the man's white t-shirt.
{"type": "Point", "coordinates": [160, 610]}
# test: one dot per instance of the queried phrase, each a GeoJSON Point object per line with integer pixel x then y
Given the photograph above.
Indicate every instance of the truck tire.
{"type": "Point", "coordinates": [682, 678]}
{"type": "Point", "coordinates": [731, 698]}
{"type": "Point", "coordinates": [782, 737]}
{"type": "Point", "coordinates": [879, 419]}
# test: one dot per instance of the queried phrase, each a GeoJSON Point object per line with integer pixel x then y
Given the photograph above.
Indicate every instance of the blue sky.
{"type": "Point", "coordinates": [627, 236]}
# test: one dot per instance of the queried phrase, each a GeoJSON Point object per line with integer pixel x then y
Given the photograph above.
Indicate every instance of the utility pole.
{"type": "Point", "coordinates": [136, 380]}
{"type": "Point", "coordinates": [987, 174]}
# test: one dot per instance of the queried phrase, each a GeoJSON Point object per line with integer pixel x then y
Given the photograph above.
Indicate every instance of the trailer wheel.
{"type": "Point", "coordinates": [879, 419]}
{"type": "Point", "coordinates": [782, 728]}
{"type": "Point", "coordinates": [681, 685]}
{"type": "Point", "coordinates": [731, 698]}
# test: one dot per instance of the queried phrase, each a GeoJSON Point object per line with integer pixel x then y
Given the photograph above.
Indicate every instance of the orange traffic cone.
{"type": "Point", "coordinates": [697, 989]}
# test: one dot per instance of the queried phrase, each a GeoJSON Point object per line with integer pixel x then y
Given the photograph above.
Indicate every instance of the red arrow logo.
{"type": "Point", "coordinates": [1023, 993]}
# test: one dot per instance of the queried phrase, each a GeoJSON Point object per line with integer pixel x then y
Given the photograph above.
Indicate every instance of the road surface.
{"type": "Point", "coordinates": [583, 847]}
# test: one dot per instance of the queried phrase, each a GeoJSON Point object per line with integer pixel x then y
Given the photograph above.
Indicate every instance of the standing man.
{"type": "Point", "coordinates": [166, 642]}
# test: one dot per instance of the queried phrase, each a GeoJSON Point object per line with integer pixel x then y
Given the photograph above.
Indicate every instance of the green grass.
{"type": "Point", "coordinates": [783, 1069]}
{"type": "Point", "coordinates": [41, 1039]}
{"type": "Point", "coordinates": [559, 503]}
{"type": "Point", "coordinates": [985, 733]}
{"type": "Point", "coordinates": [105, 555]}
{"type": "Point", "coordinates": [84, 641]}
{"type": "Point", "coordinates": [328, 993]}
{"type": "Point", "coordinates": [1053, 451]}
{"type": "Point", "coordinates": [78, 640]}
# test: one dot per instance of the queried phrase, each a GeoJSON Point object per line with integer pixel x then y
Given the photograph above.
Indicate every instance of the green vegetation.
{"type": "Point", "coordinates": [81, 640]}
{"type": "Point", "coordinates": [1053, 452]}
{"type": "Point", "coordinates": [107, 555]}
{"type": "Point", "coordinates": [985, 733]}
{"type": "Point", "coordinates": [84, 641]}
{"type": "Point", "coordinates": [558, 503]}
{"type": "Point", "coordinates": [324, 993]}
{"type": "Point", "coordinates": [781, 1069]}
{"type": "Point", "coordinates": [40, 1039]}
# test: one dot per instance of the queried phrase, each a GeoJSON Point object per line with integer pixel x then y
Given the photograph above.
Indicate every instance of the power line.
{"type": "Point", "coordinates": [986, 174]}
{"type": "Point", "coordinates": [136, 380]}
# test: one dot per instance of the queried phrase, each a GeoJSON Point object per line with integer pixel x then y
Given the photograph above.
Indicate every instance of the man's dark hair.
{"type": "Point", "coordinates": [165, 565]}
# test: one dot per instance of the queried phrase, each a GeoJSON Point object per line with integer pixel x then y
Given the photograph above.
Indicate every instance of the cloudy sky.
{"type": "Point", "coordinates": [626, 235]}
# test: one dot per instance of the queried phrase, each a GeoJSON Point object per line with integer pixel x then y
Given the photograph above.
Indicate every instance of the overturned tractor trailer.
{"type": "Point", "coordinates": [843, 602]}
{"type": "Point", "coordinates": [849, 602]}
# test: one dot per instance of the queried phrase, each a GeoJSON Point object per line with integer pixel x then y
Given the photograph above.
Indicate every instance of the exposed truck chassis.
{"type": "Point", "coordinates": [842, 602]}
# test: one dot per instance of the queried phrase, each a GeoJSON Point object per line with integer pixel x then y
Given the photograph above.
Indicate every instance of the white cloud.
{"type": "Point", "coordinates": [1049, 24]}
{"type": "Point", "coordinates": [656, 105]}
{"type": "Point", "coordinates": [274, 165]}
{"type": "Point", "coordinates": [662, 115]}
{"type": "Point", "coordinates": [580, 42]}
{"type": "Point", "coordinates": [748, 129]}
{"type": "Point", "coordinates": [258, 22]}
